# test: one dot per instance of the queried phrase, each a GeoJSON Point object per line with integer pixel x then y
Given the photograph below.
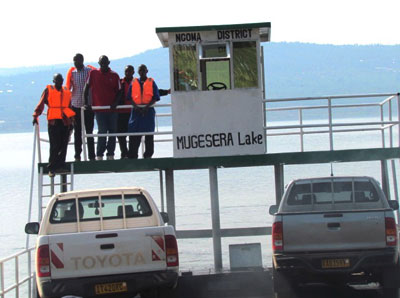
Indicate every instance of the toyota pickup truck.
{"type": "Point", "coordinates": [104, 242]}
{"type": "Point", "coordinates": [335, 230]}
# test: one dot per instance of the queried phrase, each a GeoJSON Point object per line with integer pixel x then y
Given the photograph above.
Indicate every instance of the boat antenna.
{"type": "Point", "coordinates": [331, 169]}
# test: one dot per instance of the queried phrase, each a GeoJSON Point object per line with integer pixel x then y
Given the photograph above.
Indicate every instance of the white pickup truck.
{"type": "Point", "coordinates": [104, 242]}
{"type": "Point", "coordinates": [337, 230]}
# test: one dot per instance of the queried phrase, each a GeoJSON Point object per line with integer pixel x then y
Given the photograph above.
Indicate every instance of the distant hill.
{"type": "Point", "coordinates": [291, 70]}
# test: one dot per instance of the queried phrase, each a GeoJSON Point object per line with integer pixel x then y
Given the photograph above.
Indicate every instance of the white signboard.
{"type": "Point", "coordinates": [218, 123]}
{"type": "Point", "coordinates": [219, 35]}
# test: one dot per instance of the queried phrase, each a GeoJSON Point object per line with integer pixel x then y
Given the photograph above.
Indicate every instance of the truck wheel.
{"type": "Point", "coordinates": [390, 281]}
{"type": "Point", "coordinates": [167, 292]}
{"type": "Point", "coordinates": [282, 285]}
{"type": "Point", "coordinates": [163, 292]}
{"type": "Point", "coordinates": [390, 292]}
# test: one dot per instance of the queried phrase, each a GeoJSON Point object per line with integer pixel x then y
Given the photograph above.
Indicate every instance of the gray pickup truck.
{"type": "Point", "coordinates": [336, 230]}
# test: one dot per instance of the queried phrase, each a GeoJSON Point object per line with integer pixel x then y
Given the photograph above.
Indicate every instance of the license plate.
{"type": "Point", "coordinates": [335, 263]}
{"type": "Point", "coordinates": [110, 288]}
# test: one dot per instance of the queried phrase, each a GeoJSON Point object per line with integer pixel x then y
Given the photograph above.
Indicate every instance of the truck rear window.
{"type": "Point", "coordinates": [90, 208]}
{"type": "Point", "coordinates": [327, 192]}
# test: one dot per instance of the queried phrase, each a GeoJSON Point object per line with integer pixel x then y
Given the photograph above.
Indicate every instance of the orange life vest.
{"type": "Point", "coordinates": [58, 103]}
{"type": "Point", "coordinates": [139, 96]}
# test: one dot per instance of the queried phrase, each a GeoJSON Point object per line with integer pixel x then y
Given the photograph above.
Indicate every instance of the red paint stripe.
{"type": "Point", "coordinates": [61, 246]}
{"type": "Point", "coordinates": [160, 241]}
{"type": "Point", "coordinates": [154, 256]}
{"type": "Point", "coordinates": [56, 261]}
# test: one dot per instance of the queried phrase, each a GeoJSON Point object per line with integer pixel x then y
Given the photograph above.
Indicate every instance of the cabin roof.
{"type": "Point", "coordinates": [265, 30]}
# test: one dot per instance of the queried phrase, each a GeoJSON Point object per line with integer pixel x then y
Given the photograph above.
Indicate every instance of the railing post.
{"type": "Point", "coordinates": [2, 279]}
{"type": "Point", "coordinates": [29, 272]}
{"type": "Point", "coordinates": [216, 226]}
{"type": "Point", "coordinates": [385, 178]}
{"type": "Point", "coordinates": [162, 190]}
{"type": "Point", "coordinates": [301, 130]}
{"type": "Point", "coordinates": [83, 133]}
{"type": "Point", "coordinates": [32, 182]}
{"type": "Point", "coordinates": [17, 276]}
{"type": "Point", "coordinates": [382, 129]}
{"type": "Point", "coordinates": [279, 182]}
{"type": "Point", "coordinates": [330, 124]}
{"type": "Point", "coordinates": [170, 193]}
{"type": "Point", "coordinates": [38, 143]}
{"type": "Point", "coordinates": [398, 117]}
{"type": "Point", "coordinates": [40, 193]}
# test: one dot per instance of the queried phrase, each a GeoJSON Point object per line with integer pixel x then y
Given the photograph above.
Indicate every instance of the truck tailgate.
{"type": "Point", "coordinates": [333, 231]}
{"type": "Point", "coordinates": [107, 252]}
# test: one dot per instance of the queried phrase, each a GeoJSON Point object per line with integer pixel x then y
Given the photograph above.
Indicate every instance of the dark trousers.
{"type": "Point", "coordinates": [123, 119]}
{"type": "Point", "coordinates": [58, 139]}
{"type": "Point", "coordinates": [134, 143]}
{"type": "Point", "coordinates": [89, 124]}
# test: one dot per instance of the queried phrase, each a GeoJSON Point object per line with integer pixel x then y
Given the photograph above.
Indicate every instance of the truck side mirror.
{"type": "Point", "coordinates": [32, 228]}
{"type": "Point", "coordinates": [273, 209]}
{"type": "Point", "coordinates": [394, 204]}
{"type": "Point", "coordinates": [164, 216]}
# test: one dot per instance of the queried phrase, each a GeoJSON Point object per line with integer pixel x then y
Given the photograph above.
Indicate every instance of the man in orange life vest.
{"type": "Point", "coordinates": [143, 93]}
{"type": "Point", "coordinates": [60, 117]}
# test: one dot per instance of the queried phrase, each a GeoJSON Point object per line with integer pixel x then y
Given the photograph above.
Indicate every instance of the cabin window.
{"type": "Point", "coordinates": [215, 66]}
{"type": "Point", "coordinates": [89, 209]}
{"type": "Point", "coordinates": [332, 192]}
{"type": "Point", "coordinates": [185, 68]}
{"type": "Point", "coordinates": [245, 69]}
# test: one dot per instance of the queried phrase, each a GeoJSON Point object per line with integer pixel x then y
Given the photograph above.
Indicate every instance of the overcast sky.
{"type": "Point", "coordinates": [44, 32]}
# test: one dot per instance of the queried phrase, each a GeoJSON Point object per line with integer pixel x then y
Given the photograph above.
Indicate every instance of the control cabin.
{"type": "Point", "coordinates": [217, 88]}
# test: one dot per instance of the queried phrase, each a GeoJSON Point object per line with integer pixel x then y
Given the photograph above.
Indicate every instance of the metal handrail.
{"type": "Point", "coordinates": [18, 280]}
{"type": "Point", "coordinates": [281, 130]}
{"type": "Point", "coordinates": [156, 132]}
{"type": "Point", "coordinates": [382, 123]}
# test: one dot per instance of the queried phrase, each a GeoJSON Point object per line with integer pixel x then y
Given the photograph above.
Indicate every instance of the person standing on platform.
{"type": "Point", "coordinates": [59, 125]}
{"type": "Point", "coordinates": [76, 79]}
{"type": "Point", "coordinates": [124, 114]}
{"type": "Point", "coordinates": [105, 86]}
{"type": "Point", "coordinates": [143, 93]}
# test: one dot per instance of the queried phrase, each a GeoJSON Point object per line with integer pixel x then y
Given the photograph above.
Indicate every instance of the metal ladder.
{"type": "Point", "coordinates": [50, 183]}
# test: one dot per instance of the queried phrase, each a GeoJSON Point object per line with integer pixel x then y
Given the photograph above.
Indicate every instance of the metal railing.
{"type": "Point", "coordinates": [332, 127]}
{"type": "Point", "coordinates": [14, 283]}
{"type": "Point", "coordinates": [387, 108]}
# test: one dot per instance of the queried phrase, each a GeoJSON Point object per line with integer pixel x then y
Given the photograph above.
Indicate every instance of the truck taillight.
{"type": "Point", "coordinates": [43, 261]}
{"type": "Point", "coordinates": [277, 236]}
{"type": "Point", "coordinates": [171, 249]}
{"type": "Point", "coordinates": [390, 231]}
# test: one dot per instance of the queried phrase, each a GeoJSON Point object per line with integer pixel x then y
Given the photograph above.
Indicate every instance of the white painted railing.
{"type": "Point", "coordinates": [332, 127]}
{"type": "Point", "coordinates": [16, 274]}
{"type": "Point", "coordinates": [387, 106]}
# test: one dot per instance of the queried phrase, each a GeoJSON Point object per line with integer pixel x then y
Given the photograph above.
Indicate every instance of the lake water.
{"type": "Point", "coordinates": [245, 194]}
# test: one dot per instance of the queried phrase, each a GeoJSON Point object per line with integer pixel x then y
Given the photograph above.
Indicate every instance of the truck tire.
{"type": "Point", "coordinates": [390, 292]}
{"type": "Point", "coordinates": [163, 292]}
{"type": "Point", "coordinates": [166, 292]}
{"type": "Point", "coordinates": [282, 285]}
{"type": "Point", "coordinates": [390, 281]}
